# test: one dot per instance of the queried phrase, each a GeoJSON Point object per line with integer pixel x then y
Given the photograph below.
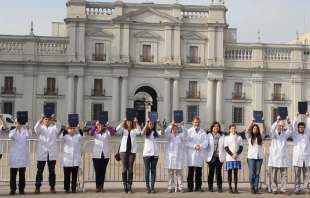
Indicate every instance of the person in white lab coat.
{"type": "Point", "coordinates": [196, 142]}
{"type": "Point", "coordinates": [71, 156]}
{"type": "Point", "coordinates": [19, 156]}
{"type": "Point", "coordinates": [3, 127]}
{"type": "Point", "coordinates": [215, 156]}
{"type": "Point", "coordinates": [128, 148]}
{"type": "Point", "coordinates": [278, 153]}
{"type": "Point", "coordinates": [101, 152]}
{"type": "Point", "coordinates": [47, 150]}
{"type": "Point", "coordinates": [233, 146]}
{"type": "Point", "coordinates": [301, 153]}
{"type": "Point", "coordinates": [151, 152]}
{"type": "Point", "coordinates": [174, 156]}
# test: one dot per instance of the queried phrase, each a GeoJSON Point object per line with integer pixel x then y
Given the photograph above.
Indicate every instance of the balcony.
{"type": "Point", "coordinates": [8, 90]}
{"type": "Point", "coordinates": [193, 60]}
{"type": "Point", "coordinates": [238, 96]}
{"type": "Point", "coordinates": [278, 97]}
{"type": "Point", "coordinates": [147, 59]}
{"type": "Point", "coordinates": [50, 91]}
{"type": "Point", "coordinates": [98, 92]}
{"type": "Point", "coordinates": [99, 57]}
{"type": "Point", "coordinates": [193, 94]}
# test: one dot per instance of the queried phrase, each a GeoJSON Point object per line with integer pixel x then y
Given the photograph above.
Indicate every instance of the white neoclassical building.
{"type": "Point", "coordinates": [154, 57]}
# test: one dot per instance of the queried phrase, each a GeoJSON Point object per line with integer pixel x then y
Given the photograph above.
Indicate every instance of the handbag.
{"type": "Point", "coordinates": [117, 155]}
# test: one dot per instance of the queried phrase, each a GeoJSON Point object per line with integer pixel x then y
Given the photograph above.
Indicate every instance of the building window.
{"type": "Point", "coordinates": [193, 55]}
{"type": "Point", "coordinates": [97, 91]}
{"type": "Point", "coordinates": [193, 91]}
{"type": "Point", "coordinates": [274, 114]}
{"type": "Point", "coordinates": [50, 86]}
{"type": "Point", "coordinates": [277, 93]}
{"type": "Point", "coordinates": [238, 91]}
{"type": "Point", "coordinates": [237, 115]}
{"type": "Point", "coordinates": [147, 54]}
{"type": "Point", "coordinates": [53, 104]}
{"type": "Point", "coordinates": [95, 111]}
{"type": "Point", "coordinates": [8, 108]}
{"type": "Point", "coordinates": [192, 111]}
{"type": "Point", "coordinates": [99, 52]}
{"type": "Point", "coordinates": [8, 86]}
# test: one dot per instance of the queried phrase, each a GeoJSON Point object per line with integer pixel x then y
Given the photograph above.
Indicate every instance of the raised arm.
{"type": "Point", "coordinates": [28, 129]}
{"type": "Point", "coordinates": [273, 128]}
{"type": "Point", "coordinates": [137, 130]}
{"type": "Point", "coordinates": [185, 131]}
{"type": "Point", "coordinates": [5, 126]}
{"type": "Point", "coordinates": [143, 132]}
{"type": "Point", "coordinates": [120, 127]}
{"type": "Point", "coordinates": [289, 130]}
{"type": "Point", "coordinates": [57, 123]}
{"type": "Point", "coordinates": [162, 130]}
{"type": "Point", "coordinates": [14, 131]}
{"type": "Point", "coordinates": [110, 129]}
{"type": "Point", "coordinates": [248, 130]}
{"type": "Point", "coordinates": [168, 130]}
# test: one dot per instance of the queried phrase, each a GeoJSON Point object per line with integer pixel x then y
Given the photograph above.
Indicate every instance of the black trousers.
{"type": "Point", "coordinates": [217, 166]}
{"type": "Point", "coordinates": [68, 171]}
{"type": "Point", "coordinates": [51, 170]}
{"type": "Point", "coordinates": [21, 182]}
{"type": "Point", "coordinates": [190, 177]}
{"type": "Point", "coordinates": [100, 166]}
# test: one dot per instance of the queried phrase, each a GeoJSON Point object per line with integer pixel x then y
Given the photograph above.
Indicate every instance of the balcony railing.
{"type": "Point", "coordinates": [149, 59]}
{"type": "Point", "coordinates": [238, 96]}
{"type": "Point", "coordinates": [278, 97]}
{"type": "Point", "coordinates": [51, 91]}
{"type": "Point", "coordinates": [99, 57]}
{"type": "Point", "coordinates": [194, 60]}
{"type": "Point", "coordinates": [98, 92]}
{"type": "Point", "coordinates": [193, 94]}
{"type": "Point", "coordinates": [8, 90]}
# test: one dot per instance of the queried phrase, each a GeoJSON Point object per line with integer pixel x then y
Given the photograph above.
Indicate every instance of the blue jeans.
{"type": "Point", "coordinates": [254, 166]}
{"type": "Point", "coordinates": [150, 164]}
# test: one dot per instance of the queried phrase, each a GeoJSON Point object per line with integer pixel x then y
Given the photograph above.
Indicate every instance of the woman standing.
{"type": "Point", "coordinates": [174, 157]}
{"type": "Point", "coordinates": [215, 156]}
{"type": "Point", "coordinates": [19, 156]}
{"type": "Point", "coordinates": [151, 152]}
{"type": "Point", "coordinates": [101, 151]}
{"type": "Point", "coordinates": [128, 148]}
{"type": "Point", "coordinates": [255, 153]}
{"type": "Point", "coordinates": [233, 146]}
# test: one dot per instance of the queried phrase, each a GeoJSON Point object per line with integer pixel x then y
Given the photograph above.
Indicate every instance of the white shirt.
{"type": "Point", "coordinates": [255, 151]}
{"type": "Point", "coordinates": [220, 148]}
{"type": "Point", "coordinates": [102, 144]}
{"type": "Point", "coordinates": [19, 151]}
{"type": "Point", "coordinates": [47, 144]}
{"type": "Point", "coordinates": [71, 155]}
{"type": "Point", "coordinates": [151, 147]}
{"type": "Point", "coordinates": [229, 142]}
{"type": "Point", "coordinates": [133, 138]}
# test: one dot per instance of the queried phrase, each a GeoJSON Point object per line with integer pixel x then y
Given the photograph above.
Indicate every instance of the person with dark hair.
{"type": "Point", "coordinates": [151, 152]}
{"type": "Point", "coordinates": [233, 146]}
{"type": "Point", "coordinates": [301, 155]}
{"type": "Point", "coordinates": [255, 153]}
{"type": "Point", "coordinates": [215, 155]}
{"type": "Point", "coordinates": [128, 148]}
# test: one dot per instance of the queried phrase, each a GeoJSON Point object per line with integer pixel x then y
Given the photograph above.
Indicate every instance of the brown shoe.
{"type": "Point", "coordinates": [308, 192]}
{"type": "Point", "coordinates": [97, 190]}
{"type": "Point", "coordinates": [52, 190]}
{"type": "Point", "coordinates": [274, 192]}
{"type": "Point", "coordinates": [102, 190]}
{"type": "Point", "coordinates": [297, 192]}
{"type": "Point", "coordinates": [37, 191]}
{"type": "Point", "coordinates": [286, 193]}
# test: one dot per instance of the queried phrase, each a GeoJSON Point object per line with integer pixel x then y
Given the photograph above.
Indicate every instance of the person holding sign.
{"type": "Point", "coordinates": [196, 142]}
{"type": "Point", "coordinates": [278, 153]}
{"type": "Point", "coordinates": [301, 156]}
{"type": "Point", "coordinates": [71, 156]}
{"type": "Point", "coordinates": [19, 156]}
{"type": "Point", "coordinates": [255, 152]}
{"type": "Point", "coordinates": [128, 148]}
{"type": "Point", "coordinates": [151, 150]}
{"type": "Point", "coordinates": [174, 156]}
{"type": "Point", "coordinates": [3, 127]}
{"type": "Point", "coordinates": [47, 151]}
{"type": "Point", "coordinates": [102, 148]}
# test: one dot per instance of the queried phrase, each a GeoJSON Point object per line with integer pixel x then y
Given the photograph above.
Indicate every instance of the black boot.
{"type": "Point", "coordinates": [236, 183]}
{"type": "Point", "coordinates": [129, 184]}
{"type": "Point", "coordinates": [219, 188]}
{"type": "Point", "coordinates": [124, 175]}
{"type": "Point", "coordinates": [210, 188]}
{"type": "Point", "coordinates": [253, 190]}
{"type": "Point", "coordinates": [256, 190]}
{"type": "Point", "coordinates": [152, 188]}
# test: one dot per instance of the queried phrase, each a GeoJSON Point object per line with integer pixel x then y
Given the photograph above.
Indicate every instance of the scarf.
{"type": "Point", "coordinates": [234, 147]}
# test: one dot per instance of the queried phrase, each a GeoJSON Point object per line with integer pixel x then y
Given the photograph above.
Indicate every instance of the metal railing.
{"type": "Point", "coordinates": [8, 90]}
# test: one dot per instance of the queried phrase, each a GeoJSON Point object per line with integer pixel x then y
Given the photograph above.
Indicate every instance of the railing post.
{"type": "Point", "coordinates": [258, 56]}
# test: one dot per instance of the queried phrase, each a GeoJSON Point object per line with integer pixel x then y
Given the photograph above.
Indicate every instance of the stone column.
{"type": "Point", "coordinates": [219, 102]}
{"type": "Point", "coordinates": [80, 98]}
{"type": "Point", "coordinates": [167, 44]}
{"type": "Point", "coordinates": [126, 45]}
{"type": "Point", "coordinates": [115, 100]}
{"type": "Point", "coordinates": [70, 94]}
{"type": "Point", "coordinates": [176, 94]}
{"type": "Point", "coordinates": [177, 44]}
{"type": "Point", "coordinates": [124, 99]}
{"type": "Point", "coordinates": [210, 102]}
{"type": "Point", "coordinates": [167, 111]}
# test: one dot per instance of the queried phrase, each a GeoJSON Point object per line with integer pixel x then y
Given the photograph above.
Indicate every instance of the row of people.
{"type": "Point", "coordinates": [214, 146]}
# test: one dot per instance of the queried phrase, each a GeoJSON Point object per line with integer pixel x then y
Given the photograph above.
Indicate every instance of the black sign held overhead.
{"type": "Point", "coordinates": [302, 107]}
{"type": "Point", "coordinates": [153, 116]}
{"type": "Point", "coordinates": [103, 117]}
{"type": "Point", "coordinates": [73, 120]}
{"type": "Point", "coordinates": [258, 116]}
{"type": "Point", "coordinates": [282, 111]}
{"type": "Point", "coordinates": [48, 110]}
{"type": "Point", "coordinates": [178, 116]}
{"type": "Point", "coordinates": [131, 113]}
{"type": "Point", "coordinates": [22, 117]}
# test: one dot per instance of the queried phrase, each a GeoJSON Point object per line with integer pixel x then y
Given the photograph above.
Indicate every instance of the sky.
{"type": "Point", "coordinates": [277, 20]}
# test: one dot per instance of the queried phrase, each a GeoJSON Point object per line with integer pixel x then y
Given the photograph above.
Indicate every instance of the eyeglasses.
{"type": "Point", "coordinates": [281, 125]}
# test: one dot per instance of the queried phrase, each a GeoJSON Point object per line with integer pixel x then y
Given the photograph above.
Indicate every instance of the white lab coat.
{"type": "Point", "coordinates": [1, 151]}
{"type": "Point", "coordinates": [174, 156]}
{"type": "Point", "coordinates": [210, 148]}
{"type": "Point", "coordinates": [102, 145]}
{"type": "Point", "coordinates": [19, 151]}
{"type": "Point", "coordinates": [229, 143]}
{"type": "Point", "coordinates": [71, 155]}
{"type": "Point", "coordinates": [278, 151]}
{"type": "Point", "coordinates": [196, 157]}
{"type": "Point", "coordinates": [255, 151]}
{"type": "Point", "coordinates": [133, 138]}
{"type": "Point", "coordinates": [301, 149]}
{"type": "Point", "coordinates": [47, 144]}
{"type": "Point", "coordinates": [151, 147]}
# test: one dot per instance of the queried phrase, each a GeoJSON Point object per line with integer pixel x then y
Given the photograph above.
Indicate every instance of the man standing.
{"type": "Point", "coordinates": [47, 150]}
{"type": "Point", "coordinates": [196, 142]}
{"type": "Point", "coordinates": [278, 153]}
{"type": "Point", "coordinates": [301, 155]}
